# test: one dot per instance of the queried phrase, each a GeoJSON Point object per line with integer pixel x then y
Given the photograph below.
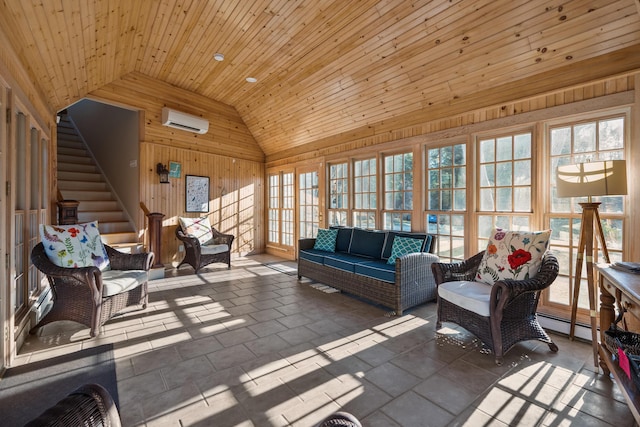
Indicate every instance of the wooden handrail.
{"type": "Point", "coordinates": [144, 208]}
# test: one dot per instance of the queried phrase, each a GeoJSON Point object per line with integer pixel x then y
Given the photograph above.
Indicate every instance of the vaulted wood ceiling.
{"type": "Point", "coordinates": [325, 68]}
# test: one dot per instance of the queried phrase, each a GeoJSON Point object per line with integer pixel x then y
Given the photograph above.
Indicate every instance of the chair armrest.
{"type": "Point", "coordinates": [306, 243]}
{"type": "Point", "coordinates": [221, 238]}
{"type": "Point", "coordinates": [89, 405]}
{"type": "Point", "coordinates": [542, 280]}
{"type": "Point", "coordinates": [81, 276]}
{"type": "Point", "coordinates": [450, 272]}
{"type": "Point", "coordinates": [416, 267]}
{"type": "Point", "coordinates": [42, 262]}
{"type": "Point", "coordinates": [189, 240]}
{"type": "Point", "coordinates": [121, 261]}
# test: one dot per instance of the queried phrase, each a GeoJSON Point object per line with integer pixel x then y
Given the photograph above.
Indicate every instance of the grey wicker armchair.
{"type": "Point", "coordinates": [198, 256]}
{"type": "Point", "coordinates": [512, 305]}
{"type": "Point", "coordinates": [79, 293]}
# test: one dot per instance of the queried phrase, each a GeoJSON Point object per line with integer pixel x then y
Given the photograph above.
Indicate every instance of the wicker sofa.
{"type": "Point", "coordinates": [359, 267]}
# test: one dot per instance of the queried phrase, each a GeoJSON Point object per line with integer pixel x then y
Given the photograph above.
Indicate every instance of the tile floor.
{"type": "Point", "coordinates": [252, 346]}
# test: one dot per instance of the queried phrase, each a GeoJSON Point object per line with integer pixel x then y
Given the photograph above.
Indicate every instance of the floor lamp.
{"type": "Point", "coordinates": [604, 178]}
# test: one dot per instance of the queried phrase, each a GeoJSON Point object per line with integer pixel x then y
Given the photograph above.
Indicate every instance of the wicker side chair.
{"type": "Point", "coordinates": [512, 305]}
{"type": "Point", "coordinates": [90, 405]}
{"type": "Point", "coordinates": [198, 256]}
{"type": "Point", "coordinates": [78, 292]}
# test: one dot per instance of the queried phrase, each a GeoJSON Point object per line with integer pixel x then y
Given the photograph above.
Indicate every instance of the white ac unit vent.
{"type": "Point", "coordinates": [184, 121]}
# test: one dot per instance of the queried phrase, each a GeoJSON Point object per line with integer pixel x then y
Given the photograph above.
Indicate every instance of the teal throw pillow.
{"type": "Point", "coordinates": [403, 246]}
{"type": "Point", "coordinates": [326, 240]}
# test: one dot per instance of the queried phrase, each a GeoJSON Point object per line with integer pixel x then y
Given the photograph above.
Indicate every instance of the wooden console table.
{"type": "Point", "coordinates": [623, 289]}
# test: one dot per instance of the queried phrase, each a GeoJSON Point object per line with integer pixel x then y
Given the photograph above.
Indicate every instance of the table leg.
{"type": "Point", "coordinates": [607, 317]}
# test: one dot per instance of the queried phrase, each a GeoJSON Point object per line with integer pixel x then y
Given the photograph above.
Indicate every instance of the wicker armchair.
{"type": "Point", "coordinates": [512, 305]}
{"type": "Point", "coordinates": [90, 405]}
{"type": "Point", "coordinates": [198, 256]}
{"type": "Point", "coordinates": [78, 292]}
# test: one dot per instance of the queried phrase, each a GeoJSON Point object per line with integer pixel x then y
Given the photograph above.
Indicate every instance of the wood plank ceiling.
{"type": "Point", "coordinates": [324, 68]}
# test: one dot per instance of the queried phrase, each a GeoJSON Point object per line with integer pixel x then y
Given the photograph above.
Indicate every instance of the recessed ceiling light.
{"type": "Point", "coordinates": [252, 79]}
{"type": "Point", "coordinates": [218, 57]}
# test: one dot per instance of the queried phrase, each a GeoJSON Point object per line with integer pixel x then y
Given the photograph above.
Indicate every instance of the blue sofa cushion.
{"type": "Point", "coordinates": [344, 262]}
{"type": "Point", "coordinates": [344, 238]}
{"type": "Point", "coordinates": [313, 255]}
{"type": "Point", "coordinates": [368, 243]}
{"type": "Point", "coordinates": [379, 270]}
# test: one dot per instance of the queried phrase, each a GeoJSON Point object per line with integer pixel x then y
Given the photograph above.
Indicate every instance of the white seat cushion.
{"type": "Point", "coordinates": [472, 296]}
{"type": "Point", "coordinates": [213, 249]}
{"type": "Point", "coordinates": [118, 281]}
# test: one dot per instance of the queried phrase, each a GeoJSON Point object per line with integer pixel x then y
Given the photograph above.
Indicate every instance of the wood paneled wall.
{"type": "Point", "coordinates": [227, 154]}
{"type": "Point", "coordinates": [236, 191]}
{"type": "Point", "coordinates": [227, 135]}
{"type": "Point", "coordinates": [384, 135]}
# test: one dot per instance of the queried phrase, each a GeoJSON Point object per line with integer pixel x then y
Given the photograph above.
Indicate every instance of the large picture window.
{"type": "Point", "coordinates": [338, 193]}
{"type": "Point", "coordinates": [504, 183]}
{"type": "Point", "coordinates": [281, 209]}
{"type": "Point", "coordinates": [577, 142]}
{"type": "Point", "coordinates": [365, 193]}
{"type": "Point", "coordinates": [308, 204]}
{"type": "Point", "coordinates": [446, 199]}
{"type": "Point", "coordinates": [398, 191]}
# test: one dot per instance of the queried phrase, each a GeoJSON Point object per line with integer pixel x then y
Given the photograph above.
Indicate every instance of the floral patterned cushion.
{"type": "Point", "coordinates": [512, 255]}
{"type": "Point", "coordinates": [326, 240]}
{"type": "Point", "coordinates": [197, 227]}
{"type": "Point", "coordinates": [74, 246]}
{"type": "Point", "coordinates": [403, 246]}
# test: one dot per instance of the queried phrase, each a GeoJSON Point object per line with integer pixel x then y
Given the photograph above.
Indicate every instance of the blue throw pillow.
{"type": "Point", "coordinates": [326, 240]}
{"type": "Point", "coordinates": [403, 246]}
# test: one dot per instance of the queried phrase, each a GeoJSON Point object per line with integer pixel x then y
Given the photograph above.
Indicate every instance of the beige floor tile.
{"type": "Point", "coordinates": [253, 347]}
{"type": "Point", "coordinates": [411, 409]}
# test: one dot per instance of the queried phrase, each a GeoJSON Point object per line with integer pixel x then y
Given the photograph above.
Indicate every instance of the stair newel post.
{"type": "Point", "coordinates": [155, 237]}
{"type": "Point", "coordinates": [67, 212]}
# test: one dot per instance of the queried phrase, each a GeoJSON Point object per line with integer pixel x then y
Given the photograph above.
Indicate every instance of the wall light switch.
{"type": "Point", "coordinates": [133, 163]}
{"type": "Point", "coordinates": [180, 248]}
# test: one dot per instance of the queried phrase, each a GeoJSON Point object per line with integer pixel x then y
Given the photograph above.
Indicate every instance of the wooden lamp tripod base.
{"type": "Point", "coordinates": [590, 220]}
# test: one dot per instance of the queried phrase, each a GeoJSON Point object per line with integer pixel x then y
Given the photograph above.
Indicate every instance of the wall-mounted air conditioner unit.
{"type": "Point", "coordinates": [184, 121]}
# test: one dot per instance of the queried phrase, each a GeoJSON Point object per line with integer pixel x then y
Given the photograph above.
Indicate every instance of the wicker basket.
{"type": "Point", "coordinates": [615, 338]}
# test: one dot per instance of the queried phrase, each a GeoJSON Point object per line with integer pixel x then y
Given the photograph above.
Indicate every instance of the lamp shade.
{"type": "Point", "coordinates": [605, 178]}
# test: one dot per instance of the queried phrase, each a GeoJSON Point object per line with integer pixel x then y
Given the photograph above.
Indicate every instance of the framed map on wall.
{"type": "Point", "coordinates": [197, 193]}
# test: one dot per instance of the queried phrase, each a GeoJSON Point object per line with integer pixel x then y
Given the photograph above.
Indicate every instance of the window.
{"type": "Point", "coordinates": [274, 209]}
{"type": "Point", "coordinates": [30, 209]}
{"type": "Point", "coordinates": [446, 177]}
{"type": "Point", "coordinates": [338, 193]}
{"type": "Point", "coordinates": [288, 214]}
{"type": "Point", "coordinates": [308, 204]}
{"type": "Point", "coordinates": [280, 210]}
{"type": "Point", "coordinates": [596, 139]}
{"type": "Point", "coordinates": [398, 191]}
{"type": "Point", "coordinates": [504, 183]}
{"type": "Point", "coordinates": [364, 193]}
